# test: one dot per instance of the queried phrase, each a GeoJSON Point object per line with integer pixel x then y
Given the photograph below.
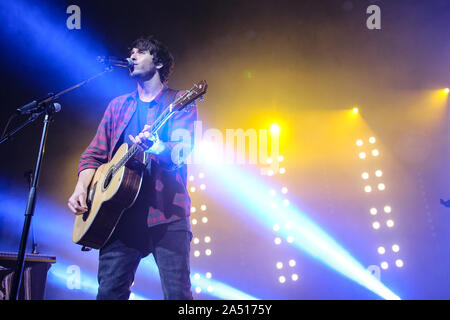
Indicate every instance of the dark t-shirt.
{"type": "Point", "coordinates": [132, 228]}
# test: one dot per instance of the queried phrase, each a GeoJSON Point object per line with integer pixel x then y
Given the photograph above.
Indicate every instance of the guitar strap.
{"type": "Point", "coordinates": [167, 98]}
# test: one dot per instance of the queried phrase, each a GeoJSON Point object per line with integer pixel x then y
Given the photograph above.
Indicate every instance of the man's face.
{"type": "Point", "coordinates": [144, 67]}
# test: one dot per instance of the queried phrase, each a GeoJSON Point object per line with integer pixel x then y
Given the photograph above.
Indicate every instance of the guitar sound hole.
{"type": "Point", "coordinates": [108, 179]}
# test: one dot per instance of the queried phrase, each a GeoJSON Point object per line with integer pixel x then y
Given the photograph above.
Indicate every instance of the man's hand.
{"type": "Point", "coordinates": [144, 140]}
{"type": "Point", "coordinates": [77, 201]}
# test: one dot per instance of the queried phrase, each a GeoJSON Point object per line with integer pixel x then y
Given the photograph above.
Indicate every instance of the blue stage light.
{"type": "Point", "coordinates": [309, 237]}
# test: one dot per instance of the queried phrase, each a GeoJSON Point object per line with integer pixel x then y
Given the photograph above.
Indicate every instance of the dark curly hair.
{"type": "Point", "coordinates": [159, 52]}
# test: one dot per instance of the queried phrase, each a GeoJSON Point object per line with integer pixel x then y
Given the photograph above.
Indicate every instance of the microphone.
{"type": "Point", "coordinates": [56, 107]}
{"type": "Point", "coordinates": [37, 106]}
{"type": "Point", "coordinates": [118, 62]}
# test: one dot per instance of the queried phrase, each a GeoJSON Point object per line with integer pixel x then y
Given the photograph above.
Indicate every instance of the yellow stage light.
{"type": "Point", "coordinates": [275, 129]}
{"type": "Point", "coordinates": [355, 110]}
{"type": "Point", "coordinates": [446, 90]}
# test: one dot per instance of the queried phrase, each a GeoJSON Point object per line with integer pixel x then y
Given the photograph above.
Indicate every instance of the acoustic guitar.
{"type": "Point", "coordinates": [116, 184]}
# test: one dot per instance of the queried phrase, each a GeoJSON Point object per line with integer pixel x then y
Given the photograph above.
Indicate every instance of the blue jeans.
{"type": "Point", "coordinates": [170, 245]}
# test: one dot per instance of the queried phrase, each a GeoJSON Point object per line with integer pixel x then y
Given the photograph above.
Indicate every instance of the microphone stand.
{"type": "Point", "coordinates": [46, 106]}
{"type": "Point", "coordinates": [29, 178]}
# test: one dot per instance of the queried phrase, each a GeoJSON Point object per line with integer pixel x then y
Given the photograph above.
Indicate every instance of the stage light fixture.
{"type": "Point", "coordinates": [275, 129]}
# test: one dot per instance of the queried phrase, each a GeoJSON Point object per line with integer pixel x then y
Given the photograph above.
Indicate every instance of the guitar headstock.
{"type": "Point", "coordinates": [197, 91]}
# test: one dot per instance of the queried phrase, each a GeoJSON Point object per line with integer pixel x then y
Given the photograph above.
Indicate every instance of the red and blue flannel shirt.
{"type": "Point", "coordinates": [170, 198]}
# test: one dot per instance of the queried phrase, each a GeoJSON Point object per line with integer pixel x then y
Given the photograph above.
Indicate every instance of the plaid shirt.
{"type": "Point", "coordinates": [170, 199]}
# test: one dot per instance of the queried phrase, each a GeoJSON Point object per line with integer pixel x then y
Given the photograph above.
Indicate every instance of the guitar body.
{"type": "Point", "coordinates": [109, 195]}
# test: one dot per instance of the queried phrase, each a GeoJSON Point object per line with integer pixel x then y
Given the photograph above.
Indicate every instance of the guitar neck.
{"type": "Point", "coordinates": [191, 95]}
{"type": "Point", "coordinates": [134, 149]}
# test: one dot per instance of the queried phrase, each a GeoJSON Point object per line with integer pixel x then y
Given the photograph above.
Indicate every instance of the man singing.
{"type": "Point", "coordinates": [158, 221]}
